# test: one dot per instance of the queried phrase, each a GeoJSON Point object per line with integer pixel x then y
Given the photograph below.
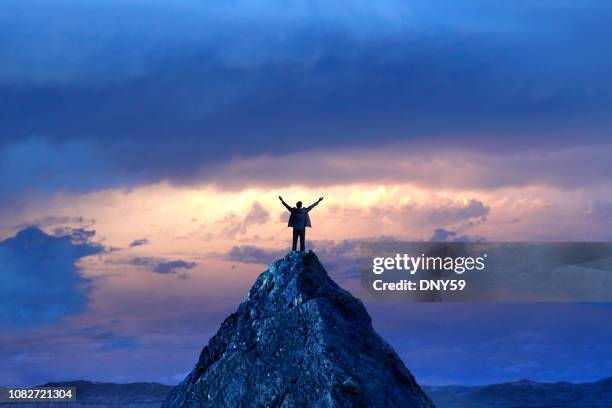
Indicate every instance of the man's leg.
{"type": "Point", "coordinates": [302, 239]}
{"type": "Point", "coordinates": [295, 237]}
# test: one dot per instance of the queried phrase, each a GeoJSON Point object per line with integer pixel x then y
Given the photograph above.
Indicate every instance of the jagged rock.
{"type": "Point", "coordinates": [298, 340]}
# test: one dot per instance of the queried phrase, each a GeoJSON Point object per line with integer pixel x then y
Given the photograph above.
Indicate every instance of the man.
{"type": "Point", "coordinates": [299, 220]}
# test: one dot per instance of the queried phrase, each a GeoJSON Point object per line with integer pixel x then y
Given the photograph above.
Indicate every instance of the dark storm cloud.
{"type": "Point", "coordinates": [41, 283]}
{"type": "Point", "coordinates": [173, 266]}
{"type": "Point", "coordinates": [444, 235]}
{"type": "Point", "coordinates": [139, 242]}
{"type": "Point", "coordinates": [163, 266]}
{"type": "Point", "coordinates": [77, 235]}
{"type": "Point", "coordinates": [193, 85]}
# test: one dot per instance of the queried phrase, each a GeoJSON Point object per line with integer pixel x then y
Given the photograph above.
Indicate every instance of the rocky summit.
{"type": "Point", "coordinates": [298, 340]}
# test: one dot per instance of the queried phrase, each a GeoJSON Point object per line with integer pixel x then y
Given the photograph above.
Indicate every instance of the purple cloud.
{"type": "Point", "coordinates": [163, 266]}
{"type": "Point", "coordinates": [139, 242]}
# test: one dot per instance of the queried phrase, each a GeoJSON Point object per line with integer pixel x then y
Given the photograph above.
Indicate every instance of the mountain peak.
{"type": "Point", "coordinates": [298, 340]}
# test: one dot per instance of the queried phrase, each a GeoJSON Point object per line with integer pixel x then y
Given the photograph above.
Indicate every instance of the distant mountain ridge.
{"type": "Point", "coordinates": [106, 395]}
{"type": "Point", "coordinates": [524, 394]}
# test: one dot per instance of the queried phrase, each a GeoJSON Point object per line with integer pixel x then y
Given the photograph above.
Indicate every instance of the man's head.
{"type": "Point", "coordinates": [298, 204]}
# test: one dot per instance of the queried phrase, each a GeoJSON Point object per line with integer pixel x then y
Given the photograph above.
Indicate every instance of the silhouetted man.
{"type": "Point", "coordinates": [299, 220]}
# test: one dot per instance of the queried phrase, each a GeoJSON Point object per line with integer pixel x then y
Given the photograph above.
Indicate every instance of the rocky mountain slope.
{"type": "Point", "coordinates": [298, 340]}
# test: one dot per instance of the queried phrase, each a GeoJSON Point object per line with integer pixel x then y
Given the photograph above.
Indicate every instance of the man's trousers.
{"type": "Point", "coordinates": [301, 234]}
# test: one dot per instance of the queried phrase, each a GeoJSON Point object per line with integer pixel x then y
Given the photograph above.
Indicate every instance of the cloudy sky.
{"type": "Point", "coordinates": [143, 145]}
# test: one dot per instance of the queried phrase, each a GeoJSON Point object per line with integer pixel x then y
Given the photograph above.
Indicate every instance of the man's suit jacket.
{"type": "Point", "coordinates": [299, 218]}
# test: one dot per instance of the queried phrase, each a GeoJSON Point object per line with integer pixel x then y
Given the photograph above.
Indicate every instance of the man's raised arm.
{"type": "Point", "coordinates": [315, 204]}
{"type": "Point", "coordinates": [284, 203]}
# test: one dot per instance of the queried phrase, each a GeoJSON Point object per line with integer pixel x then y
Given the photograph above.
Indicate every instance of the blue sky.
{"type": "Point", "coordinates": [143, 145]}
